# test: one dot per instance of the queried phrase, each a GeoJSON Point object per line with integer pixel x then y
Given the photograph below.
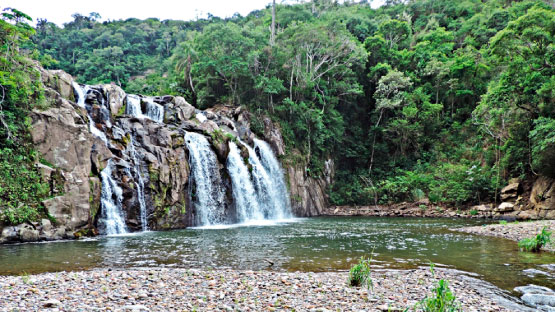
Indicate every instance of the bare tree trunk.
{"type": "Point", "coordinates": [374, 143]}
{"type": "Point", "coordinates": [273, 29]}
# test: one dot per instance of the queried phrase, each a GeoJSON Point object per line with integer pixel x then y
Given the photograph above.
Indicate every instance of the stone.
{"type": "Point", "coordinates": [27, 233]}
{"type": "Point", "coordinates": [184, 110]}
{"type": "Point", "coordinates": [505, 207]}
{"type": "Point", "coordinates": [115, 96]}
{"type": "Point", "coordinates": [52, 303]}
{"type": "Point", "coordinates": [510, 191]}
{"type": "Point", "coordinates": [482, 208]}
{"type": "Point", "coordinates": [9, 234]}
{"type": "Point", "coordinates": [61, 82]}
{"type": "Point", "coordinates": [46, 224]}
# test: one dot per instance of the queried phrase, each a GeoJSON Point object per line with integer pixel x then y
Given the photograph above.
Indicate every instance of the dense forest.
{"type": "Point", "coordinates": [437, 99]}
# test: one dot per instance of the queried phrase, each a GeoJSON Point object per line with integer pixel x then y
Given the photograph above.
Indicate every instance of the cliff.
{"type": "Point", "coordinates": [100, 149]}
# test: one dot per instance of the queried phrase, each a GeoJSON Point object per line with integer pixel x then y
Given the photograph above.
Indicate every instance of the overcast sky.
{"type": "Point", "coordinates": [60, 11]}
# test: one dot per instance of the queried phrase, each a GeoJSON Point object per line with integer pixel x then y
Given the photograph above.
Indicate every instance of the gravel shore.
{"type": "Point", "coordinates": [514, 231]}
{"type": "Point", "coordinates": [229, 290]}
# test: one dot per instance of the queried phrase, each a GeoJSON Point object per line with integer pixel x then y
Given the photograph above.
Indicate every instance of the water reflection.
{"type": "Point", "coordinates": [317, 244]}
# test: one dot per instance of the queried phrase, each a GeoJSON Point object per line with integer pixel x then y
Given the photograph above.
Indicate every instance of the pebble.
{"type": "Point", "coordinates": [176, 289]}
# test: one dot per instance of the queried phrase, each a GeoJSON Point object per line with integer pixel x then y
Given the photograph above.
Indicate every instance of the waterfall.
{"type": "Point", "coordinates": [267, 191]}
{"type": "Point", "coordinates": [275, 172]}
{"type": "Point", "coordinates": [111, 219]}
{"type": "Point", "coordinates": [81, 97]}
{"type": "Point", "coordinates": [140, 184]}
{"type": "Point", "coordinates": [244, 195]}
{"type": "Point", "coordinates": [207, 194]}
{"type": "Point", "coordinates": [154, 111]}
{"type": "Point", "coordinates": [133, 106]}
{"type": "Point", "coordinates": [81, 93]}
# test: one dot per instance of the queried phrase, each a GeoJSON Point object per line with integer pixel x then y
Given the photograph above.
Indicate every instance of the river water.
{"type": "Point", "coordinates": [313, 244]}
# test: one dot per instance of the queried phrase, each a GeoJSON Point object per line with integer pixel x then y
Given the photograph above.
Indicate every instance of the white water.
{"type": "Point", "coordinates": [81, 97]}
{"type": "Point", "coordinates": [133, 106]}
{"type": "Point", "coordinates": [244, 195]}
{"type": "Point", "coordinates": [81, 93]}
{"type": "Point", "coordinates": [140, 184]}
{"type": "Point", "coordinates": [270, 200]}
{"type": "Point", "coordinates": [275, 172]}
{"type": "Point", "coordinates": [208, 195]}
{"type": "Point", "coordinates": [154, 111]}
{"type": "Point", "coordinates": [111, 219]}
{"type": "Point", "coordinates": [200, 117]}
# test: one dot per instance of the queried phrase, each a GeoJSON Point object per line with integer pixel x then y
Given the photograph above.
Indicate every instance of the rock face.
{"type": "Point", "coordinates": [86, 126]}
{"type": "Point", "coordinates": [536, 203]}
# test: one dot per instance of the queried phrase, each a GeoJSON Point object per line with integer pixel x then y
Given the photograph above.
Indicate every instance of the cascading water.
{"type": "Point", "coordinates": [154, 111]}
{"type": "Point", "coordinates": [207, 194]}
{"type": "Point", "coordinates": [133, 106]}
{"type": "Point", "coordinates": [244, 195]}
{"type": "Point", "coordinates": [81, 93]}
{"type": "Point", "coordinates": [140, 184]}
{"type": "Point", "coordinates": [81, 97]}
{"type": "Point", "coordinates": [275, 172]}
{"type": "Point", "coordinates": [111, 220]}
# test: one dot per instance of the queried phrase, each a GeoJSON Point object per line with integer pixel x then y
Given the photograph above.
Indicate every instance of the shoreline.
{"type": "Point", "coordinates": [513, 231]}
{"type": "Point", "coordinates": [176, 289]}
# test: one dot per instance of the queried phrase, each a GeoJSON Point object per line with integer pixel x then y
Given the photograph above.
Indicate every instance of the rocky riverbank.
{"type": "Point", "coordinates": [230, 290]}
{"type": "Point", "coordinates": [424, 210]}
{"type": "Point", "coordinates": [514, 230]}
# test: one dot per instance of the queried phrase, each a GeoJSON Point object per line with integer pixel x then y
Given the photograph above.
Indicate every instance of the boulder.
{"type": "Point", "coordinates": [115, 96]}
{"type": "Point", "coordinates": [60, 81]}
{"type": "Point", "coordinates": [184, 110]}
{"type": "Point", "coordinates": [27, 233]}
{"type": "Point", "coordinates": [505, 207]}
{"type": "Point", "coordinates": [510, 191]}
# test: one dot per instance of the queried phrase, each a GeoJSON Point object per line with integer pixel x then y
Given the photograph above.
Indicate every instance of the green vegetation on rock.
{"type": "Point", "coordinates": [21, 186]}
{"type": "Point", "coordinates": [534, 244]}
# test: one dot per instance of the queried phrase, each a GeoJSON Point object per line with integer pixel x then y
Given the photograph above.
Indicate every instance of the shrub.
{"type": "Point", "coordinates": [503, 222]}
{"type": "Point", "coordinates": [473, 212]}
{"type": "Point", "coordinates": [359, 275]}
{"type": "Point", "coordinates": [443, 299]}
{"type": "Point", "coordinates": [534, 244]}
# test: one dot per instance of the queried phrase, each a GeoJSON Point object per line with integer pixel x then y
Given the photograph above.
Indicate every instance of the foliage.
{"type": "Point", "coordinates": [359, 275]}
{"type": "Point", "coordinates": [443, 299]}
{"type": "Point", "coordinates": [21, 186]}
{"type": "Point", "coordinates": [441, 99]}
{"type": "Point", "coordinates": [534, 244]}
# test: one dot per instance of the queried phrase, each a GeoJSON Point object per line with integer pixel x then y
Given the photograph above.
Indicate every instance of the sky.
{"type": "Point", "coordinates": [60, 11]}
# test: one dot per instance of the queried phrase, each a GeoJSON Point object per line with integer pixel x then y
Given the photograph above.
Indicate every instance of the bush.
{"type": "Point", "coordinates": [534, 244]}
{"type": "Point", "coordinates": [359, 275]}
{"type": "Point", "coordinates": [443, 300]}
